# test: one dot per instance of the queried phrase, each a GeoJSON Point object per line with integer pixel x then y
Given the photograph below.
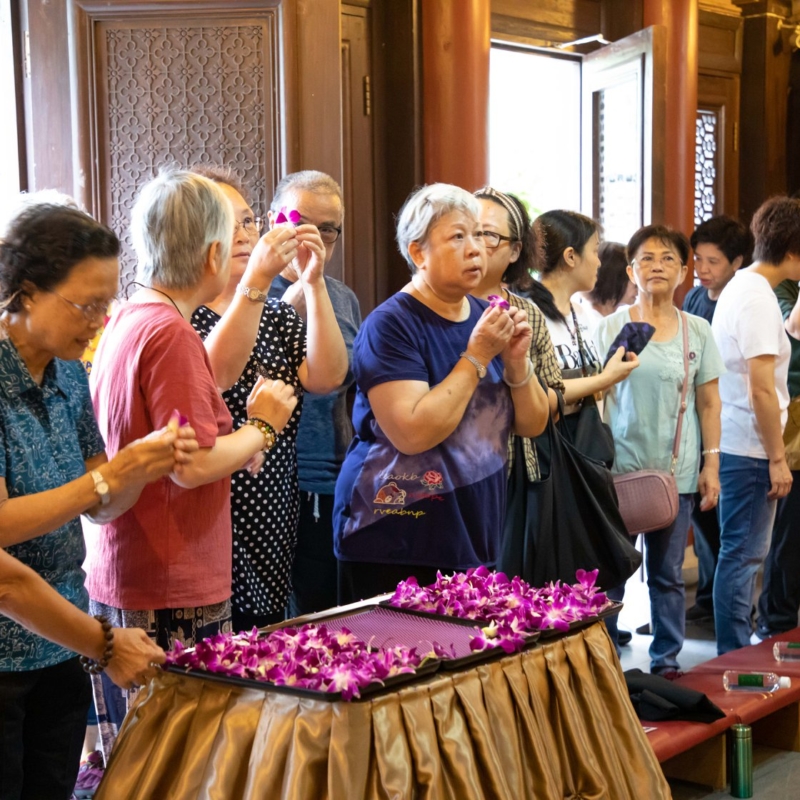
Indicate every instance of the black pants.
{"type": "Point", "coordinates": [780, 595]}
{"type": "Point", "coordinates": [42, 727]}
{"type": "Point", "coordinates": [359, 579]}
{"type": "Point", "coordinates": [244, 621]}
{"type": "Point", "coordinates": [314, 572]}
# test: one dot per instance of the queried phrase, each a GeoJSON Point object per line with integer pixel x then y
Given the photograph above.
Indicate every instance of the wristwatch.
{"type": "Point", "coordinates": [101, 487]}
{"type": "Point", "coordinates": [256, 295]}
{"type": "Point", "coordinates": [475, 363]}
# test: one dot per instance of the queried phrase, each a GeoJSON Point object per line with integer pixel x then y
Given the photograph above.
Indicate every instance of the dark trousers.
{"type": "Point", "coordinates": [42, 727]}
{"type": "Point", "coordinates": [244, 621]}
{"type": "Point", "coordinates": [314, 572]}
{"type": "Point", "coordinates": [706, 547]}
{"type": "Point", "coordinates": [359, 579]}
{"type": "Point", "coordinates": [780, 594]}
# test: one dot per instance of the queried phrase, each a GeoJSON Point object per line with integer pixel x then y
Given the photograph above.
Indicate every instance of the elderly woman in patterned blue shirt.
{"type": "Point", "coordinates": [58, 273]}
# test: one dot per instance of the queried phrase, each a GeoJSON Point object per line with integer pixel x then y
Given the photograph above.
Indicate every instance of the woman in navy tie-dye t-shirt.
{"type": "Point", "coordinates": [442, 379]}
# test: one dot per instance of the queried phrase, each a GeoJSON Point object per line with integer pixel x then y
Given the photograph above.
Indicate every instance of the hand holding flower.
{"type": "Point", "coordinates": [516, 351]}
{"type": "Point", "coordinates": [310, 260]}
{"type": "Point", "coordinates": [273, 252]}
{"type": "Point", "coordinates": [491, 335]}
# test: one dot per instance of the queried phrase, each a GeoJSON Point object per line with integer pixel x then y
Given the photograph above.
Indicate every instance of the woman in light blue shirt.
{"type": "Point", "coordinates": [643, 415]}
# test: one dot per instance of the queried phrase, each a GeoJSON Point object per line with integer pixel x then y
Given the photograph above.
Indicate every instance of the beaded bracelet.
{"type": "Point", "coordinates": [96, 667]}
{"type": "Point", "coordinates": [712, 451]}
{"type": "Point", "coordinates": [266, 429]}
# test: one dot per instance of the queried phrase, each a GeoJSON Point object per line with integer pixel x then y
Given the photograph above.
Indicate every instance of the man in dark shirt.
{"type": "Point", "coordinates": [721, 245]}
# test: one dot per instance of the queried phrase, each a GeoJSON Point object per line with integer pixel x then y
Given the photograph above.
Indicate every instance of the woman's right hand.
{"type": "Point", "coordinates": [273, 252]}
{"type": "Point", "coordinates": [619, 366]}
{"type": "Point", "coordinates": [146, 460]}
{"type": "Point", "coordinates": [133, 658]}
{"type": "Point", "coordinates": [272, 401]}
{"type": "Point", "coordinates": [491, 334]}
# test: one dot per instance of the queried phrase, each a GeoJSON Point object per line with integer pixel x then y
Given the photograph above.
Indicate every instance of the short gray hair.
{"type": "Point", "coordinates": [424, 208]}
{"type": "Point", "coordinates": [307, 180]}
{"type": "Point", "coordinates": [176, 218]}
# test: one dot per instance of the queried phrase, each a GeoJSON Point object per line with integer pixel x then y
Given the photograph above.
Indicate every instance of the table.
{"type": "Point", "coordinates": [551, 722]}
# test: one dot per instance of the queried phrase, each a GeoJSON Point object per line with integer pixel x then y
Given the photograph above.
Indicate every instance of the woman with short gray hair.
{"type": "Point", "coordinates": [165, 565]}
{"type": "Point", "coordinates": [442, 378]}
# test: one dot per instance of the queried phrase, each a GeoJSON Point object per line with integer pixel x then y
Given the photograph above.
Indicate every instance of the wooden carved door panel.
{"type": "Point", "coordinates": [160, 87]}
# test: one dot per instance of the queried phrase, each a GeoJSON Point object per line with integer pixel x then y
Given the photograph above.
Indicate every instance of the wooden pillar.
{"type": "Point", "coordinates": [455, 86]}
{"type": "Point", "coordinates": [679, 17]}
{"type": "Point", "coordinates": [765, 89]}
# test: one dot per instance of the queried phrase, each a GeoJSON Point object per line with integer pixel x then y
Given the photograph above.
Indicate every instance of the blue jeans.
{"type": "Point", "coordinates": [664, 551]}
{"type": "Point", "coordinates": [746, 516]}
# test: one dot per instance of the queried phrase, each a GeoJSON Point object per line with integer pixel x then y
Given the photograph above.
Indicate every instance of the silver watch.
{"type": "Point", "coordinates": [479, 368]}
{"type": "Point", "coordinates": [256, 295]}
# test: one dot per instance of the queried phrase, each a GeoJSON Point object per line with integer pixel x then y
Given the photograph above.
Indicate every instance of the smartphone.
{"type": "Point", "coordinates": [634, 337]}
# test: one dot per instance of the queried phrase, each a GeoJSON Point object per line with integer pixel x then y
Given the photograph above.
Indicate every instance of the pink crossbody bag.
{"type": "Point", "coordinates": [648, 498]}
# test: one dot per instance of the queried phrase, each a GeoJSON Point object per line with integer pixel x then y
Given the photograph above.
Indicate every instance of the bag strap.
{"type": "Point", "coordinates": [684, 322]}
{"type": "Point", "coordinates": [579, 339]}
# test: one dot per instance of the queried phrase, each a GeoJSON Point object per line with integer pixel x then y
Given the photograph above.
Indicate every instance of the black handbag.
{"type": "Point", "coordinates": [567, 521]}
{"type": "Point", "coordinates": [587, 432]}
{"type": "Point", "coordinates": [585, 428]}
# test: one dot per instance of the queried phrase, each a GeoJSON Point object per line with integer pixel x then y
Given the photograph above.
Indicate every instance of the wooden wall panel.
{"type": "Point", "coordinates": [156, 88]}
{"type": "Point", "coordinates": [545, 21]}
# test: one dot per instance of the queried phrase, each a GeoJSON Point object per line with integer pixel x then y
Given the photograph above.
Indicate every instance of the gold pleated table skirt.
{"type": "Point", "coordinates": [552, 722]}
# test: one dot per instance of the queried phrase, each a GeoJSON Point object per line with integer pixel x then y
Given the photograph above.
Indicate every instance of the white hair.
{"type": "Point", "coordinates": [176, 218]}
{"type": "Point", "coordinates": [307, 180]}
{"type": "Point", "coordinates": [425, 207]}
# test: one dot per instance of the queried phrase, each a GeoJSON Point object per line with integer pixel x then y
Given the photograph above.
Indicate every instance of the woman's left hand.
{"type": "Point", "coordinates": [709, 488]}
{"type": "Point", "coordinates": [519, 346]}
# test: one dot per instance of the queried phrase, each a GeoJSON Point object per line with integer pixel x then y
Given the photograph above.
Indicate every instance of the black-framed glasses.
{"type": "Point", "coordinates": [329, 233]}
{"type": "Point", "coordinates": [92, 311]}
{"type": "Point", "coordinates": [492, 239]}
{"type": "Point", "coordinates": [252, 225]}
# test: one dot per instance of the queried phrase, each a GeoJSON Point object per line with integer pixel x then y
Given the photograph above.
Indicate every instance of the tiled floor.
{"type": "Point", "coordinates": [776, 773]}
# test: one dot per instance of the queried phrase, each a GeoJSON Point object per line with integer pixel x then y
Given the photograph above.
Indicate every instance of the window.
{"type": "Point", "coordinates": [535, 127]}
{"type": "Point", "coordinates": [9, 144]}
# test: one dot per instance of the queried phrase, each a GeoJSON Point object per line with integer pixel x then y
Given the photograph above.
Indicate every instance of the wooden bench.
{"type": "Point", "coordinates": [697, 752]}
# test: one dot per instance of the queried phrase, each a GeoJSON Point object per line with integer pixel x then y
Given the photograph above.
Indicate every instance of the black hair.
{"type": "Point", "coordinates": [557, 230]}
{"type": "Point", "coordinates": [776, 227]}
{"type": "Point", "coordinates": [518, 275]}
{"type": "Point", "coordinates": [728, 234]}
{"type": "Point", "coordinates": [667, 236]}
{"type": "Point", "coordinates": [612, 277]}
{"type": "Point", "coordinates": [42, 245]}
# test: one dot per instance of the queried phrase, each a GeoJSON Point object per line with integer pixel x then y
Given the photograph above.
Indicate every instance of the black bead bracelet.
{"type": "Point", "coordinates": [96, 667]}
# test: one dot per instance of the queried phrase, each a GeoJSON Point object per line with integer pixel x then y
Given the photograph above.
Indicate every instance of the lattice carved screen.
{"type": "Point", "coordinates": [706, 179]}
{"type": "Point", "coordinates": [180, 93]}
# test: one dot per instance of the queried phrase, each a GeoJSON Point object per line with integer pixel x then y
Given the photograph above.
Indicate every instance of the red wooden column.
{"type": "Point", "coordinates": [455, 91]}
{"type": "Point", "coordinates": [679, 17]}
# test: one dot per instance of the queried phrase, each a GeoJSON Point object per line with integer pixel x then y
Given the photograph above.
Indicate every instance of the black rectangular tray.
{"type": "Point", "coordinates": [367, 692]}
{"type": "Point", "coordinates": [545, 633]}
{"type": "Point", "coordinates": [376, 620]}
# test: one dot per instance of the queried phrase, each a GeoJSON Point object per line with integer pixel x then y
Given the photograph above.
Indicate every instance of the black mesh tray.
{"type": "Point", "coordinates": [367, 692]}
{"type": "Point", "coordinates": [385, 625]}
{"type": "Point", "coordinates": [545, 633]}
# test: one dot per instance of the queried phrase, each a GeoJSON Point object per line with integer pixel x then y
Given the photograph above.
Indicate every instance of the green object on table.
{"type": "Point", "coordinates": [742, 761]}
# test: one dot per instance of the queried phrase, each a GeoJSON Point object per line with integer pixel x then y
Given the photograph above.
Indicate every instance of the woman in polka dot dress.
{"type": "Point", "coordinates": [248, 335]}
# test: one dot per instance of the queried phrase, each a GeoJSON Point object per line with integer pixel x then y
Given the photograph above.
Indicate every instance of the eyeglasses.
{"type": "Point", "coordinates": [252, 225]}
{"type": "Point", "coordinates": [667, 260]}
{"type": "Point", "coordinates": [92, 311]}
{"type": "Point", "coordinates": [329, 233]}
{"type": "Point", "coordinates": [492, 239]}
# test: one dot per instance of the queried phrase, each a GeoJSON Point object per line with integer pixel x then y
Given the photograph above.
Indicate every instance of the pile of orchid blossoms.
{"type": "Point", "coordinates": [511, 606]}
{"type": "Point", "coordinates": [308, 657]}
{"type": "Point", "coordinates": [316, 658]}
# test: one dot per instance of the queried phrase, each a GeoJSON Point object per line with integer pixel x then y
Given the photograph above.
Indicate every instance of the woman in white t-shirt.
{"type": "Point", "coordinates": [749, 330]}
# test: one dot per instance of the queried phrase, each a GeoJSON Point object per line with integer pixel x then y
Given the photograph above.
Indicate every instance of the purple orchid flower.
{"type": "Point", "coordinates": [495, 301]}
{"type": "Point", "coordinates": [292, 216]}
